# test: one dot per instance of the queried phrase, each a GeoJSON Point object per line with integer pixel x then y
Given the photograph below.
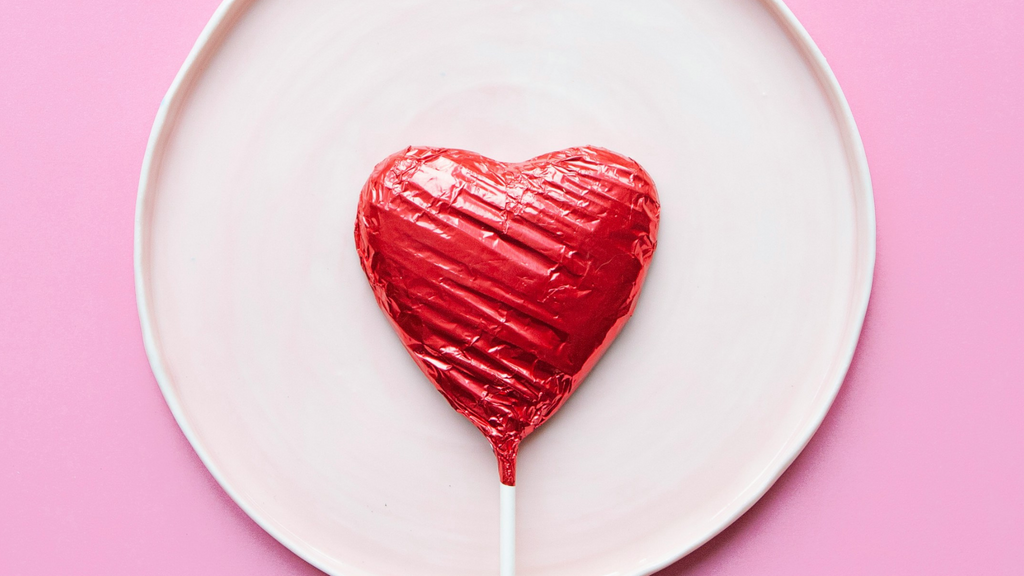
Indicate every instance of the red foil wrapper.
{"type": "Point", "coordinates": [506, 282]}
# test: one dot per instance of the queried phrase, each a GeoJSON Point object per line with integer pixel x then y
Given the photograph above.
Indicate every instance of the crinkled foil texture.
{"type": "Point", "coordinates": [506, 282]}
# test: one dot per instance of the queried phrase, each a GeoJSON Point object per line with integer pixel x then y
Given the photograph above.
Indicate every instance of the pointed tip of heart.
{"type": "Point", "coordinates": [506, 450]}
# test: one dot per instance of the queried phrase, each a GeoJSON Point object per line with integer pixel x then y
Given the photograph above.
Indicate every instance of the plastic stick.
{"type": "Point", "coordinates": [508, 530]}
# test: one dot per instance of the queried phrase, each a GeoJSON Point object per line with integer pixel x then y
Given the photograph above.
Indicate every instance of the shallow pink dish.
{"type": "Point", "coordinates": [293, 389]}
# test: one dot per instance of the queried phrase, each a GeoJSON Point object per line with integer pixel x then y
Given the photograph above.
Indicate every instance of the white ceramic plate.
{"type": "Point", "coordinates": [288, 381]}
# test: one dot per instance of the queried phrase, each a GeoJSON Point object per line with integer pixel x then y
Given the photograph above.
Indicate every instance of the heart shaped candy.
{"type": "Point", "coordinates": [506, 282]}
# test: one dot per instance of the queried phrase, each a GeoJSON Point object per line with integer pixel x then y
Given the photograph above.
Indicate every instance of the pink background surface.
{"type": "Point", "coordinates": [918, 469]}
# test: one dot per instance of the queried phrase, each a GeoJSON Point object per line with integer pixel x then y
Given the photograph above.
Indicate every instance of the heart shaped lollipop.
{"type": "Point", "coordinates": [506, 282]}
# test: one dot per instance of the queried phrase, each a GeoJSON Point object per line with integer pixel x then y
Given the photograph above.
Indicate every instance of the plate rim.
{"type": "Point", "coordinates": [221, 24]}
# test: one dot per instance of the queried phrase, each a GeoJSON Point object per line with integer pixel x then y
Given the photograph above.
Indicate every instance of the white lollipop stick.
{"type": "Point", "coordinates": [508, 530]}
